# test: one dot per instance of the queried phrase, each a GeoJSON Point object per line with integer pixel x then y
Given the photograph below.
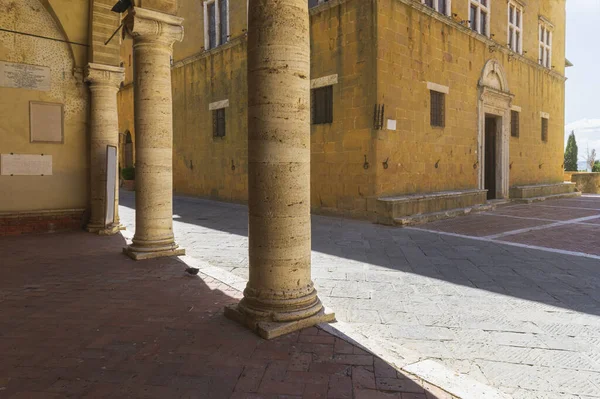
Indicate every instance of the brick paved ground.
{"type": "Point", "coordinates": [524, 321]}
{"type": "Point", "coordinates": [567, 224]}
{"type": "Point", "coordinates": [78, 319]}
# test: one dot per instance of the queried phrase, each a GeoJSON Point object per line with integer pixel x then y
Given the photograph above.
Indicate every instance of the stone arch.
{"type": "Point", "coordinates": [494, 77]}
{"type": "Point", "coordinates": [50, 10]}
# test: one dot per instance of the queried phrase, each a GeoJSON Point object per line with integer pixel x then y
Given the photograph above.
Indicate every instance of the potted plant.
{"type": "Point", "coordinates": [128, 175]}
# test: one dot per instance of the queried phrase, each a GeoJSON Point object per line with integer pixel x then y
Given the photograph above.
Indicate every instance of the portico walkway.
{"type": "Point", "coordinates": [79, 319]}
{"type": "Point", "coordinates": [523, 321]}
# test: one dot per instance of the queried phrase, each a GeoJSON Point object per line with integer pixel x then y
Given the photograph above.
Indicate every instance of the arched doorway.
{"type": "Point", "coordinates": [128, 150]}
{"type": "Point", "coordinates": [494, 130]}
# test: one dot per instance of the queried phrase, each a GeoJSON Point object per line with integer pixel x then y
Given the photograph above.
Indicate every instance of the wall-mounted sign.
{"type": "Point", "coordinates": [25, 165]}
{"type": "Point", "coordinates": [24, 76]}
{"type": "Point", "coordinates": [46, 122]}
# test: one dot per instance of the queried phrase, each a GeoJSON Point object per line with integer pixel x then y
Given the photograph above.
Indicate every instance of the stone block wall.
{"type": "Point", "coordinates": [587, 183]}
{"type": "Point", "coordinates": [203, 165]}
{"type": "Point", "coordinates": [343, 160]}
{"type": "Point", "coordinates": [414, 48]}
{"type": "Point", "coordinates": [383, 52]}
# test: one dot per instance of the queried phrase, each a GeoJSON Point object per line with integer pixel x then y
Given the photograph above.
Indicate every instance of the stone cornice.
{"type": "Point", "coordinates": [104, 75]}
{"type": "Point", "coordinates": [152, 26]}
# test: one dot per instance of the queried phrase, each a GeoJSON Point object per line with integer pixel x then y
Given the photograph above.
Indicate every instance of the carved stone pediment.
{"type": "Point", "coordinates": [493, 77]}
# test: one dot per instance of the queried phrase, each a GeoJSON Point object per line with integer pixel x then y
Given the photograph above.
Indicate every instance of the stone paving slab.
{"type": "Point", "coordinates": [79, 319]}
{"type": "Point", "coordinates": [522, 320]}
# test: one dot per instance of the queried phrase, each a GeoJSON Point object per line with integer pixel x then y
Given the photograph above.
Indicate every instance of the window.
{"type": "Point", "coordinates": [544, 129]}
{"type": "Point", "coordinates": [514, 124]}
{"type": "Point", "coordinates": [545, 45]}
{"type": "Point", "coordinates": [314, 3]}
{"type": "Point", "coordinates": [322, 105]}
{"type": "Point", "coordinates": [441, 6]}
{"type": "Point", "coordinates": [219, 122]}
{"type": "Point", "coordinates": [437, 108]}
{"type": "Point", "coordinates": [216, 23]}
{"type": "Point", "coordinates": [479, 16]}
{"type": "Point", "coordinates": [515, 27]}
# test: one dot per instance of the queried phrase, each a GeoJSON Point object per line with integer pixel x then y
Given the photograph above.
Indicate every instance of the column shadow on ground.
{"type": "Point", "coordinates": [78, 318]}
{"type": "Point", "coordinates": [558, 280]}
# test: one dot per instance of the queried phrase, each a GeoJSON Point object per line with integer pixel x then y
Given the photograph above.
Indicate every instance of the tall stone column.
{"type": "Point", "coordinates": [280, 296]}
{"type": "Point", "coordinates": [104, 81]}
{"type": "Point", "coordinates": [153, 36]}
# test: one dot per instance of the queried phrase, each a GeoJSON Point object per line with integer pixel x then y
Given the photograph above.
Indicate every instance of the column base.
{"type": "Point", "coordinates": [272, 329]}
{"type": "Point", "coordinates": [142, 255]}
{"type": "Point", "coordinates": [104, 231]}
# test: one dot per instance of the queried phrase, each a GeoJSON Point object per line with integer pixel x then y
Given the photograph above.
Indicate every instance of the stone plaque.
{"type": "Point", "coordinates": [25, 165]}
{"type": "Point", "coordinates": [24, 76]}
{"type": "Point", "coordinates": [46, 122]}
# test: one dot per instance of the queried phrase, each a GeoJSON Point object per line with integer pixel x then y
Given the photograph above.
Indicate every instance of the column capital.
{"type": "Point", "coordinates": [104, 75]}
{"type": "Point", "coordinates": [153, 26]}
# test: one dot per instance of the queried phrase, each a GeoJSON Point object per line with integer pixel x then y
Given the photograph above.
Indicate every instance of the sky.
{"type": "Point", "coordinates": [583, 84]}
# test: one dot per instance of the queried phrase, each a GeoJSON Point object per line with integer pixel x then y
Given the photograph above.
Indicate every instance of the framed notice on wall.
{"type": "Point", "coordinates": [46, 122]}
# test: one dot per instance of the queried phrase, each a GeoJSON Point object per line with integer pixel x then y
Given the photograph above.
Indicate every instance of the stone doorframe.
{"type": "Point", "coordinates": [494, 99]}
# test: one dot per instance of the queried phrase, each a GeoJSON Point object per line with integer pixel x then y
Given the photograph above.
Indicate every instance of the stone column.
{"type": "Point", "coordinates": [280, 296]}
{"type": "Point", "coordinates": [153, 36]}
{"type": "Point", "coordinates": [104, 83]}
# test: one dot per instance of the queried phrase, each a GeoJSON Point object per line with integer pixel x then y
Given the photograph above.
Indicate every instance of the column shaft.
{"type": "Point", "coordinates": [280, 296]}
{"type": "Point", "coordinates": [104, 83]}
{"type": "Point", "coordinates": [153, 35]}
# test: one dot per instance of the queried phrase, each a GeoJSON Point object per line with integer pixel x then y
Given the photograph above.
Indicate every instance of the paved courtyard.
{"type": "Point", "coordinates": [521, 320]}
{"type": "Point", "coordinates": [78, 319]}
{"type": "Point", "coordinates": [565, 225]}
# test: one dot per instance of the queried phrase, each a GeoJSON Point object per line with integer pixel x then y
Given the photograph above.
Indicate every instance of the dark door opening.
{"type": "Point", "coordinates": [490, 157]}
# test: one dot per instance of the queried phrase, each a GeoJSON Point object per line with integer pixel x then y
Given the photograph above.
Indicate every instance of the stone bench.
{"type": "Point", "coordinates": [543, 191]}
{"type": "Point", "coordinates": [420, 208]}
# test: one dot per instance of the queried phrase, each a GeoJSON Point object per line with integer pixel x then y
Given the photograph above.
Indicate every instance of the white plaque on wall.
{"type": "Point", "coordinates": [391, 124]}
{"type": "Point", "coordinates": [24, 76]}
{"type": "Point", "coordinates": [25, 165]}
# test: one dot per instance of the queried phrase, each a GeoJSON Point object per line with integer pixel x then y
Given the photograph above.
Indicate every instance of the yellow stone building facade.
{"type": "Point", "coordinates": [385, 60]}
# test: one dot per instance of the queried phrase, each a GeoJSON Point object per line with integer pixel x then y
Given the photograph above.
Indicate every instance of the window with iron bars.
{"type": "Point", "coordinates": [514, 123]}
{"type": "Point", "coordinates": [438, 101]}
{"type": "Point", "coordinates": [544, 129]}
{"type": "Point", "coordinates": [219, 122]}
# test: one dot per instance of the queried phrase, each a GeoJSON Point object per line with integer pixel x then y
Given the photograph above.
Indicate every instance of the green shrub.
{"type": "Point", "coordinates": [128, 173]}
